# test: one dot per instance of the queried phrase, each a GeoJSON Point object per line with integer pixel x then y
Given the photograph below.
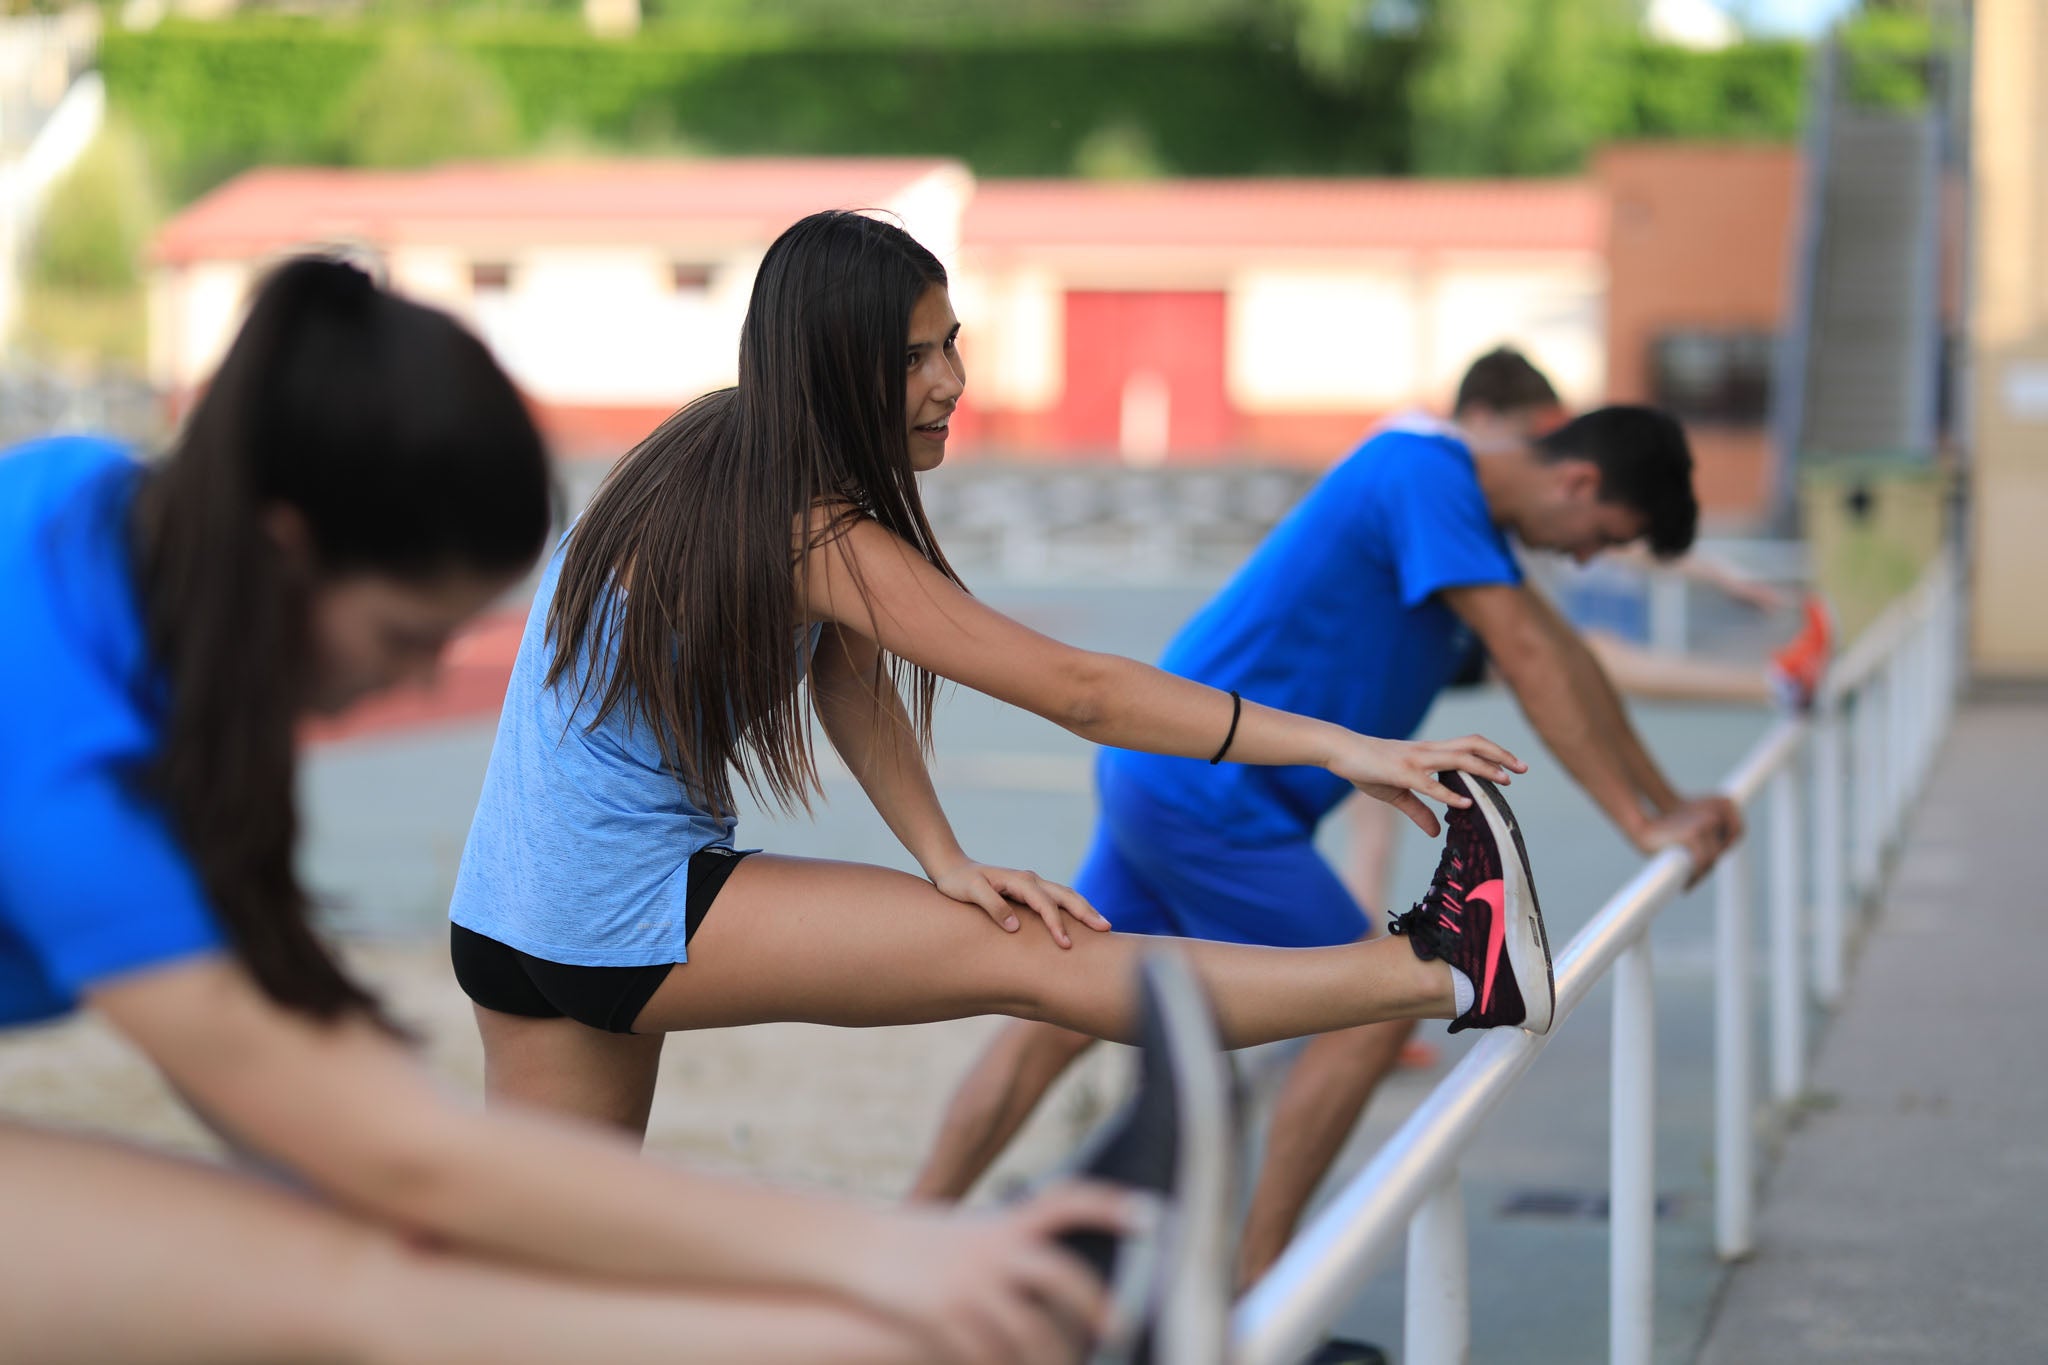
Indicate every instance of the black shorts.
{"type": "Point", "coordinates": [502, 978]}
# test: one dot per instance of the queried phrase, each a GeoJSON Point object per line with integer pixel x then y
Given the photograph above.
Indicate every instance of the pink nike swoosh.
{"type": "Point", "coordinates": [1491, 894]}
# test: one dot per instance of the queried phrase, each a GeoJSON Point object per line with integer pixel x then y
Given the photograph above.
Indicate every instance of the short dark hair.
{"type": "Point", "coordinates": [1504, 381]}
{"type": "Point", "coordinates": [1644, 463]}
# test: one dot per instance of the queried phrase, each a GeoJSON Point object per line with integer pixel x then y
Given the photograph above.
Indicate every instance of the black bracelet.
{"type": "Point", "coordinates": [1236, 710]}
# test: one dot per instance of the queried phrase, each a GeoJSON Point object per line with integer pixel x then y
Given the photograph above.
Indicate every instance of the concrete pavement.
{"type": "Point", "coordinates": [1906, 1219]}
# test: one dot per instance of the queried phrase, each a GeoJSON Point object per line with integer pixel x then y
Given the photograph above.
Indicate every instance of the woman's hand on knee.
{"type": "Point", "coordinates": [1001, 890]}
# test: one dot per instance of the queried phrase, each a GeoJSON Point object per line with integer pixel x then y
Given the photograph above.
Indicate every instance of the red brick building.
{"type": "Point", "coordinates": [1165, 321]}
{"type": "Point", "coordinates": [1699, 249]}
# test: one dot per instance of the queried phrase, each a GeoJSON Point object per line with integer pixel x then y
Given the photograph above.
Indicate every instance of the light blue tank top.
{"type": "Point", "coordinates": [580, 849]}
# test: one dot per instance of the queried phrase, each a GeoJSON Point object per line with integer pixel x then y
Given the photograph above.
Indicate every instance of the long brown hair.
{"type": "Point", "coordinates": [406, 451]}
{"type": "Point", "coordinates": [679, 600]}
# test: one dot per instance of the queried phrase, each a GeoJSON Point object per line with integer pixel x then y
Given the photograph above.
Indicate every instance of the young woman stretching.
{"type": "Point", "coordinates": [770, 537]}
{"type": "Point", "coordinates": [359, 478]}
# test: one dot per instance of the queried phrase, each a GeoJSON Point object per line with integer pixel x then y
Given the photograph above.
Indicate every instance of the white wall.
{"type": "Point", "coordinates": [1328, 338]}
{"type": "Point", "coordinates": [1383, 332]}
{"type": "Point", "coordinates": [598, 326]}
{"type": "Point", "coordinates": [194, 311]}
{"type": "Point", "coordinates": [602, 326]}
{"type": "Point", "coordinates": [1553, 308]}
{"type": "Point", "coordinates": [593, 325]}
{"type": "Point", "coordinates": [1012, 336]}
{"type": "Point", "coordinates": [931, 209]}
{"type": "Point", "coordinates": [432, 274]}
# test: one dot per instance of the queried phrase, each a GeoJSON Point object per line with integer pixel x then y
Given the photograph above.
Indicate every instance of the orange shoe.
{"type": "Point", "coordinates": [1797, 668]}
{"type": "Point", "coordinates": [1416, 1055]}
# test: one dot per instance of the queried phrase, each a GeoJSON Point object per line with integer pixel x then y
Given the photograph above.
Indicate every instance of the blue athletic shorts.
{"type": "Point", "coordinates": [1151, 872]}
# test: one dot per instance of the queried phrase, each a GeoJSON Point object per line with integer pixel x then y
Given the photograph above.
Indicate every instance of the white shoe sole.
{"type": "Point", "coordinates": [1527, 944]}
{"type": "Point", "coordinates": [1170, 1285]}
{"type": "Point", "coordinates": [1193, 1322]}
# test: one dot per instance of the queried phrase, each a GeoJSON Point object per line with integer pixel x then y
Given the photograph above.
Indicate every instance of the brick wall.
{"type": "Point", "coordinates": [1699, 239]}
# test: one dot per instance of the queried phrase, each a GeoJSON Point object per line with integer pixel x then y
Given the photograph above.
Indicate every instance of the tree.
{"type": "Point", "coordinates": [419, 104]}
{"type": "Point", "coordinates": [1522, 88]}
{"type": "Point", "coordinates": [97, 219]}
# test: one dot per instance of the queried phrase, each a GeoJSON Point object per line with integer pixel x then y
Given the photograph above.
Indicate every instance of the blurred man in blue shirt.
{"type": "Point", "coordinates": [1374, 594]}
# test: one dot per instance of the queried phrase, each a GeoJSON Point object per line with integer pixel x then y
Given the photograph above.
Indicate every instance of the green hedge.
{"type": "Point", "coordinates": [217, 97]}
{"type": "Point", "coordinates": [1887, 59]}
{"type": "Point", "coordinates": [1213, 103]}
{"type": "Point", "coordinates": [1753, 91]}
{"type": "Point", "coordinates": [214, 99]}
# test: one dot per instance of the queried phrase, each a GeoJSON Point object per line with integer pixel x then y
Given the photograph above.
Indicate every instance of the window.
{"type": "Point", "coordinates": [685, 277]}
{"type": "Point", "coordinates": [490, 277]}
{"type": "Point", "coordinates": [1713, 376]}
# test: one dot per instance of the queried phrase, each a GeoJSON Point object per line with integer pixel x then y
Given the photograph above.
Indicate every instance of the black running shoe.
{"type": "Point", "coordinates": [1176, 1139]}
{"type": "Point", "coordinates": [1481, 916]}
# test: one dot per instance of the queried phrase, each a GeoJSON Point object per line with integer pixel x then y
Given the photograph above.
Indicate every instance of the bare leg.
{"type": "Point", "coordinates": [562, 1065]}
{"type": "Point", "coordinates": [1640, 673]}
{"type": "Point", "coordinates": [999, 1094]}
{"type": "Point", "coordinates": [1368, 867]}
{"type": "Point", "coordinates": [114, 1254]}
{"type": "Point", "coordinates": [1367, 871]}
{"type": "Point", "coordinates": [1319, 1103]}
{"type": "Point", "coordinates": [857, 946]}
{"type": "Point", "coordinates": [1327, 1085]}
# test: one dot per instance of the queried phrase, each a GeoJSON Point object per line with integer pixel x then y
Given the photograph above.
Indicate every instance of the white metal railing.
{"type": "Point", "coordinates": [1871, 738]}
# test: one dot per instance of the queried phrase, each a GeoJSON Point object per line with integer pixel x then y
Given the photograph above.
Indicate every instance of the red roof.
{"type": "Point", "coordinates": [1302, 214]}
{"type": "Point", "coordinates": [269, 210]}
{"type": "Point", "coordinates": [753, 199]}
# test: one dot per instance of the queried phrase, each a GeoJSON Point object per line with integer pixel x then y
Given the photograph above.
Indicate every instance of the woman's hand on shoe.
{"type": "Point", "coordinates": [995, 1288]}
{"type": "Point", "coordinates": [1395, 771]}
{"type": "Point", "coordinates": [1001, 890]}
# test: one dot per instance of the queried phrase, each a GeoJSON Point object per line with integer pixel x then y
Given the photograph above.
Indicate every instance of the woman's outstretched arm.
{"type": "Point", "coordinates": [865, 719]}
{"type": "Point", "coordinates": [872, 581]}
{"type": "Point", "coordinates": [346, 1108]}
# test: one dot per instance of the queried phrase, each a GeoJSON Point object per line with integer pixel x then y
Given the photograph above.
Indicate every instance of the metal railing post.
{"type": "Point", "coordinates": [1923, 690]}
{"type": "Point", "coordinates": [1788, 1002]}
{"type": "Point", "coordinates": [1830, 892]}
{"type": "Point", "coordinates": [1874, 733]}
{"type": "Point", "coordinates": [1632, 1194]}
{"type": "Point", "coordinates": [1734, 1089]}
{"type": "Point", "coordinates": [1868, 766]}
{"type": "Point", "coordinates": [1951, 645]}
{"type": "Point", "coordinates": [1936, 696]}
{"type": "Point", "coordinates": [1912, 711]}
{"type": "Point", "coordinates": [1930, 681]}
{"type": "Point", "coordinates": [1669, 627]}
{"type": "Point", "coordinates": [1439, 1300]}
{"type": "Point", "coordinates": [1898, 740]}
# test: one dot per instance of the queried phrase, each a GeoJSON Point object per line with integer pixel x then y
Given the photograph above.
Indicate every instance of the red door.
{"type": "Point", "coordinates": [1145, 375]}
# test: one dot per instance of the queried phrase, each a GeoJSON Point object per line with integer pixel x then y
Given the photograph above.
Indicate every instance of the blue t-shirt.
{"type": "Point", "coordinates": [92, 882]}
{"type": "Point", "coordinates": [1335, 616]}
{"type": "Point", "coordinates": [580, 849]}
